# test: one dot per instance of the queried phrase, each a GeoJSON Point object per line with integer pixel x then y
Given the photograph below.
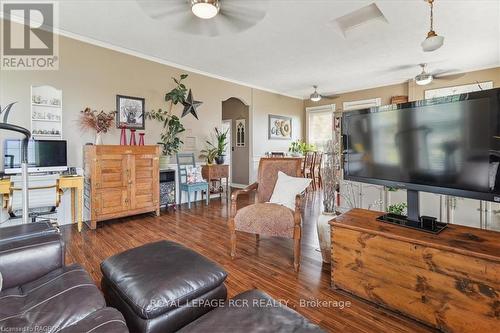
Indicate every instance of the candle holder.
{"type": "Point", "coordinates": [132, 137]}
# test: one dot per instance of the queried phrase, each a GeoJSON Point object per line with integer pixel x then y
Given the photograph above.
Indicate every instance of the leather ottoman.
{"type": "Point", "coordinates": [162, 286]}
{"type": "Point", "coordinates": [252, 311]}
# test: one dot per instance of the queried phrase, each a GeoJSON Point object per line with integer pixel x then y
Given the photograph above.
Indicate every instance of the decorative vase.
{"type": "Point", "coordinates": [141, 139]}
{"type": "Point", "coordinates": [324, 235]}
{"type": "Point", "coordinates": [164, 162]}
{"type": "Point", "coordinates": [98, 138]}
{"type": "Point", "coordinates": [132, 137]}
{"type": "Point", "coordinates": [123, 137]}
{"type": "Point", "coordinates": [219, 159]}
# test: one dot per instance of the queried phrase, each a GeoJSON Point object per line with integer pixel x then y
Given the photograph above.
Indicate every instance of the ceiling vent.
{"type": "Point", "coordinates": [359, 17]}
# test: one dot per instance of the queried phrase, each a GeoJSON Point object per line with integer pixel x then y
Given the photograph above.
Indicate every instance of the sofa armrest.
{"type": "Point", "coordinates": [28, 259]}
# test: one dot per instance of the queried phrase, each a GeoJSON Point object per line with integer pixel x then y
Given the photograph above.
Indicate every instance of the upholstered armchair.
{"type": "Point", "coordinates": [264, 218]}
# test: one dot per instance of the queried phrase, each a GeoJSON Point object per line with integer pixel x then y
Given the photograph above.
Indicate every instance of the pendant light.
{"type": "Point", "coordinates": [433, 41]}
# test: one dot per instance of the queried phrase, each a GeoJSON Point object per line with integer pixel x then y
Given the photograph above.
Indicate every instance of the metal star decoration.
{"type": "Point", "coordinates": [190, 105]}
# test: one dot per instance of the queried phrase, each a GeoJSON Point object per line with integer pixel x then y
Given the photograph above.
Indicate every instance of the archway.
{"type": "Point", "coordinates": [236, 115]}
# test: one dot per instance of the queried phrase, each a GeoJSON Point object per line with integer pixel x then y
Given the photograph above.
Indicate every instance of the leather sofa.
{"type": "Point", "coordinates": [40, 293]}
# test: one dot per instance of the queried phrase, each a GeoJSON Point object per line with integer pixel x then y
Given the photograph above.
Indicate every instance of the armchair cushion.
{"type": "Point", "coordinates": [266, 219]}
{"type": "Point", "coordinates": [287, 188]}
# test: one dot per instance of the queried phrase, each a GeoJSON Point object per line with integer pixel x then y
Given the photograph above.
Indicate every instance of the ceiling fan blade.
{"type": "Point", "coordinates": [448, 77]}
{"type": "Point", "coordinates": [193, 25]}
{"type": "Point", "coordinates": [333, 96]}
{"type": "Point", "coordinates": [158, 9]}
{"type": "Point", "coordinates": [237, 15]}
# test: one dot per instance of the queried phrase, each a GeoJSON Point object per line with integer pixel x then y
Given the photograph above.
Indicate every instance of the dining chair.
{"type": "Point", "coordinates": [316, 170]}
{"type": "Point", "coordinates": [307, 167]}
{"type": "Point", "coordinates": [183, 161]}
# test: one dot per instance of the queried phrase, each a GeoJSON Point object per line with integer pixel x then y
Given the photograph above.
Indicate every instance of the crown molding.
{"type": "Point", "coordinates": [138, 54]}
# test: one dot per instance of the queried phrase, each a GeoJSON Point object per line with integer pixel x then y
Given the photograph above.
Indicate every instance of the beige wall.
{"type": "Point", "coordinates": [92, 76]}
{"type": "Point", "coordinates": [234, 109]}
{"type": "Point", "coordinates": [410, 89]}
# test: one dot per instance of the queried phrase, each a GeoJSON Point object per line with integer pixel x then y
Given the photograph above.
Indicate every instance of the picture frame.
{"type": "Point", "coordinates": [279, 127]}
{"type": "Point", "coordinates": [130, 112]}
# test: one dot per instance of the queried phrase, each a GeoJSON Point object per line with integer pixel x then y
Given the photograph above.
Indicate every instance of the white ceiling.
{"type": "Point", "coordinates": [297, 45]}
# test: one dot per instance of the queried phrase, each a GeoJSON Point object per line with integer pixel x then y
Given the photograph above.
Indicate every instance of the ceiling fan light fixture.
{"type": "Point", "coordinates": [315, 96]}
{"type": "Point", "coordinates": [423, 79]}
{"type": "Point", "coordinates": [205, 9]}
{"type": "Point", "coordinates": [432, 42]}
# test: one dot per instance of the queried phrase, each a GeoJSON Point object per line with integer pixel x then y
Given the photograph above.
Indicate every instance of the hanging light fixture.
{"type": "Point", "coordinates": [423, 78]}
{"type": "Point", "coordinates": [315, 96]}
{"type": "Point", "coordinates": [433, 41]}
{"type": "Point", "coordinates": [205, 9]}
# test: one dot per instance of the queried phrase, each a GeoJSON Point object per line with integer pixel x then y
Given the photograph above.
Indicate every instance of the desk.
{"type": "Point", "coordinates": [73, 183]}
{"type": "Point", "coordinates": [76, 186]}
{"type": "Point", "coordinates": [215, 172]}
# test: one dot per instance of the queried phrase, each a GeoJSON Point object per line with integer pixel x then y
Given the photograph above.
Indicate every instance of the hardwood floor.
{"type": "Point", "coordinates": [266, 265]}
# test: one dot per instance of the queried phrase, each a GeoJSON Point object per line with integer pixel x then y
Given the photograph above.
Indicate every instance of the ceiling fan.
{"type": "Point", "coordinates": [207, 17]}
{"type": "Point", "coordinates": [425, 78]}
{"type": "Point", "coordinates": [316, 97]}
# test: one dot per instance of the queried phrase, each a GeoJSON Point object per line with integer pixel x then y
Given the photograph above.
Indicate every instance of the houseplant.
{"type": "Point", "coordinates": [221, 138]}
{"type": "Point", "coordinates": [170, 141]}
{"type": "Point", "coordinates": [172, 126]}
{"type": "Point", "coordinates": [299, 148]}
{"type": "Point", "coordinates": [209, 154]}
{"type": "Point", "coordinates": [100, 122]}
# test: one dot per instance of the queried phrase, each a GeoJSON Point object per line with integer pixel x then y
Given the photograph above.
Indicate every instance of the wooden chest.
{"type": "Point", "coordinates": [450, 281]}
{"type": "Point", "coordinates": [121, 181]}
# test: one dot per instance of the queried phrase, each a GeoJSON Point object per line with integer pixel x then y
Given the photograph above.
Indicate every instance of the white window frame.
{"type": "Point", "coordinates": [317, 109]}
{"type": "Point", "coordinates": [361, 104]}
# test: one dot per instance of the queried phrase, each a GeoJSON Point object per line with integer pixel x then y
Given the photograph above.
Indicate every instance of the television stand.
{"type": "Point", "coordinates": [414, 220]}
{"type": "Point", "coordinates": [425, 223]}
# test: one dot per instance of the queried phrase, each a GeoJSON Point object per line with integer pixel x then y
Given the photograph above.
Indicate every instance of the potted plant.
{"type": "Point", "coordinates": [209, 154]}
{"type": "Point", "coordinates": [299, 148]}
{"type": "Point", "coordinates": [100, 122]}
{"type": "Point", "coordinates": [221, 138]}
{"type": "Point", "coordinates": [295, 148]}
{"type": "Point", "coordinates": [172, 126]}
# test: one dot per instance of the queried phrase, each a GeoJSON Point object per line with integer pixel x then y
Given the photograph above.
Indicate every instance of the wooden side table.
{"type": "Point", "coordinates": [214, 173]}
{"type": "Point", "coordinates": [76, 186]}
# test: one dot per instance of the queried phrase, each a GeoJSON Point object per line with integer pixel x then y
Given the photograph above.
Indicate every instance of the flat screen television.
{"type": "Point", "coordinates": [43, 156]}
{"type": "Point", "coordinates": [448, 145]}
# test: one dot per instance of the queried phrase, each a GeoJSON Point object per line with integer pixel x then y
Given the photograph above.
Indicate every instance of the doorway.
{"type": "Point", "coordinates": [236, 115]}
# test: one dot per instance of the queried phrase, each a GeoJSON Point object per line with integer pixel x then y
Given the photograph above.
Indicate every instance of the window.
{"type": "Point", "coordinates": [320, 125]}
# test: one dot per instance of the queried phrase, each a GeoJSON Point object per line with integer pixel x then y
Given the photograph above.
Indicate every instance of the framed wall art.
{"type": "Point", "coordinates": [130, 112]}
{"type": "Point", "coordinates": [280, 127]}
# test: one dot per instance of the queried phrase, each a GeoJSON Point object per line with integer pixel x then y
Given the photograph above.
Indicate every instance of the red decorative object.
{"type": "Point", "coordinates": [132, 137]}
{"type": "Point", "coordinates": [141, 139]}
{"type": "Point", "coordinates": [123, 137]}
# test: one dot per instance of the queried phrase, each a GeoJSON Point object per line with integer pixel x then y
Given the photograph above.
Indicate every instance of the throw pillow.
{"type": "Point", "coordinates": [287, 188]}
{"type": "Point", "coordinates": [193, 174]}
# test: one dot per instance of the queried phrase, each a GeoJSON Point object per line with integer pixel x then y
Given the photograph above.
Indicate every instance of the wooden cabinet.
{"type": "Point", "coordinates": [121, 181]}
{"type": "Point", "coordinates": [450, 281]}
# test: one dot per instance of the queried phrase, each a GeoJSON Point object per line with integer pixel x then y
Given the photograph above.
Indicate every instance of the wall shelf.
{"type": "Point", "coordinates": [46, 111]}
